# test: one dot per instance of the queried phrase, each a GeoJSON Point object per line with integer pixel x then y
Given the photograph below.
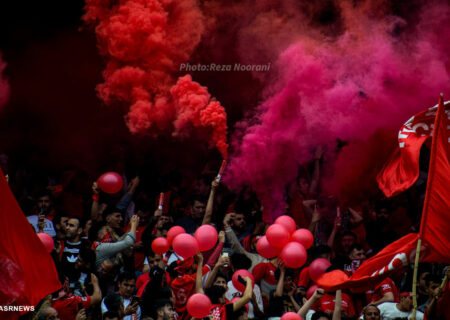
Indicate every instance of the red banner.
{"type": "Point", "coordinates": [435, 222]}
{"type": "Point", "coordinates": [402, 169]}
{"type": "Point", "coordinates": [28, 273]}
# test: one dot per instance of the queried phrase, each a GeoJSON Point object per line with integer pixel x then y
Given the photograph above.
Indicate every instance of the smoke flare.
{"type": "Point", "coordinates": [145, 41]}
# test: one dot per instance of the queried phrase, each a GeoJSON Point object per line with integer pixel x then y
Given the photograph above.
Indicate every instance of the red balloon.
{"type": "Point", "coordinates": [293, 255]}
{"type": "Point", "coordinates": [185, 245]}
{"type": "Point", "coordinates": [265, 249]}
{"type": "Point", "coordinates": [286, 222]}
{"type": "Point", "coordinates": [243, 273]}
{"type": "Point", "coordinates": [198, 305]}
{"type": "Point", "coordinates": [304, 237]}
{"type": "Point", "coordinates": [160, 245]}
{"type": "Point", "coordinates": [318, 267]}
{"type": "Point", "coordinates": [291, 316]}
{"type": "Point", "coordinates": [206, 236]}
{"type": "Point", "coordinates": [311, 291]}
{"type": "Point", "coordinates": [277, 235]}
{"type": "Point", "coordinates": [110, 182]}
{"type": "Point", "coordinates": [47, 241]}
{"type": "Point", "coordinates": [173, 232]}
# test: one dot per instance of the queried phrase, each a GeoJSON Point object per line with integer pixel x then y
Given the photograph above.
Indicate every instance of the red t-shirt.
{"type": "Point", "coordinates": [67, 306]}
{"type": "Point", "coordinates": [183, 287]}
{"type": "Point", "coordinates": [326, 304]}
{"type": "Point", "coordinates": [387, 285]}
{"type": "Point", "coordinates": [141, 283]}
{"type": "Point", "coordinates": [304, 279]}
{"type": "Point", "coordinates": [264, 274]}
{"type": "Point", "coordinates": [139, 256]}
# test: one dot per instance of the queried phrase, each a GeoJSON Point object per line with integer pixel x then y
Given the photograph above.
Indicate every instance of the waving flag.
{"type": "Point", "coordinates": [402, 169]}
{"type": "Point", "coordinates": [435, 222]}
{"type": "Point", "coordinates": [27, 273]}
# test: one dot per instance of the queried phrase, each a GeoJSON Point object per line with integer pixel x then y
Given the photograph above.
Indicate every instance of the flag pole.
{"type": "Point", "coordinates": [414, 287]}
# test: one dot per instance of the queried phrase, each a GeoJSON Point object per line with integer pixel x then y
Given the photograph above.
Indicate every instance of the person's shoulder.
{"type": "Point", "coordinates": [386, 305]}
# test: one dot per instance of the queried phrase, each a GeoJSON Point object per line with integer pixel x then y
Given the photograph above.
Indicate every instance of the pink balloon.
{"type": "Point", "coordinates": [243, 273]}
{"type": "Point", "coordinates": [110, 182]}
{"type": "Point", "coordinates": [265, 249]}
{"type": "Point", "coordinates": [198, 305]}
{"type": "Point", "coordinates": [185, 245]}
{"type": "Point", "coordinates": [318, 267]}
{"type": "Point", "coordinates": [286, 222]}
{"type": "Point", "coordinates": [291, 316]}
{"type": "Point", "coordinates": [47, 241]}
{"type": "Point", "coordinates": [304, 237]}
{"type": "Point", "coordinates": [160, 245]}
{"type": "Point", "coordinates": [293, 255]}
{"type": "Point", "coordinates": [277, 235]}
{"type": "Point", "coordinates": [311, 291]}
{"type": "Point", "coordinates": [173, 232]}
{"type": "Point", "coordinates": [206, 236]}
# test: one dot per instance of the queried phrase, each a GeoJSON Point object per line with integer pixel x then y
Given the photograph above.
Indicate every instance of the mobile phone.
{"type": "Point", "coordinates": [225, 254]}
{"type": "Point", "coordinates": [135, 299]}
{"type": "Point", "coordinates": [80, 306]}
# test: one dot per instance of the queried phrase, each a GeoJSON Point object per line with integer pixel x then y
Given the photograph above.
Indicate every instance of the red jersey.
{"type": "Point", "coordinates": [183, 287]}
{"type": "Point", "coordinates": [326, 304]}
{"type": "Point", "coordinates": [67, 306]}
{"type": "Point", "coordinates": [387, 285]}
{"type": "Point", "coordinates": [141, 283]}
{"type": "Point", "coordinates": [139, 256]}
{"type": "Point", "coordinates": [264, 274]}
{"type": "Point", "coordinates": [304, 279]}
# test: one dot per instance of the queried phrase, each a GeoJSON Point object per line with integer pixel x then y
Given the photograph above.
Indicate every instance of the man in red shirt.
{"type": "Point", "coordinates": [69, 305]}
{"type": "Point", "coordinates": [326, 304]}
{"type": "Point", "coordinates": [386, 291]}
{"type": "Point", "coordinates": [184, 285]}
{"type": "Point", "coordinates": [264, 274]}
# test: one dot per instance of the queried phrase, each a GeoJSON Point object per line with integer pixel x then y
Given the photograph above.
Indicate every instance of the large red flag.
{"type": "Point", "coordinates": [434, 228]}
{"type": "Point", "coordinates": [27, 271]}
{"type": "Point", "coordinates": [402, 169]}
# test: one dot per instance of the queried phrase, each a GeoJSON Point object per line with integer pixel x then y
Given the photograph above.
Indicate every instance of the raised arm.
{"type": "Point", "coordinates": [337, 306]}
{"type": "Point", "coordinates": [280, 283]}
{"type": "Point", "coordinates": [308, 304]}
{"type": "Point", "coordinates": [97, 294]}
{"type": "Point", "coordinates": [337, 225]}
{"type": "Point", "coordinates": [246, 297]}
{"type": "Point", "coordinates": [199, 274]}
{"type": "Point", "coordinates": [210, 204]}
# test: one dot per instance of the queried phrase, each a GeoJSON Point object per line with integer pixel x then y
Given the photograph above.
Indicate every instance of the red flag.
{"type": "Point", "coordinates": [28, 273]}
{"type": "Point", "coordinates": [434, 228]}
{"type": "Point", "coordinates": [402, 169]}
{"type": "Point", "coordinates": [435, 223]}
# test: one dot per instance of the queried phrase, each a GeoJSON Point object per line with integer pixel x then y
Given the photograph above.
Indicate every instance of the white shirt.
{"type": "Point", "coordinates": [48, 226]}
{"type": "Point", "coordinates": [233, 293]}
{"type": "Point", "coordinates": [389, 311]}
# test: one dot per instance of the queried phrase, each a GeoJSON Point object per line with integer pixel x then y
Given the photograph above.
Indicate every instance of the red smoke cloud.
{"type": "Point", "coordinates": [145, 41]}
{"type": "Point", "coordinates": [4, 84]}
{"type": "Point", "coordinates": [372, 70]}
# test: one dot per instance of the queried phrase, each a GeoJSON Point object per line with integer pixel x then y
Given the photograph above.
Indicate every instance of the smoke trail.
{"type": "Point", "coordinates": [374, 73]}
{"type": "Point", "coordinates": [4, 84]}
{"type": "Point", "coordinates": [145, 41]}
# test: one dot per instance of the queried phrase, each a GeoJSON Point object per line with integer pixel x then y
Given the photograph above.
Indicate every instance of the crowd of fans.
{"type": "Point", "coordinates": [108, 270]}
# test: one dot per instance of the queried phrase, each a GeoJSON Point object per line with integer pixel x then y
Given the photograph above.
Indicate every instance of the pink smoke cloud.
{"type": "Point", "coordinates": [345, 86]}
